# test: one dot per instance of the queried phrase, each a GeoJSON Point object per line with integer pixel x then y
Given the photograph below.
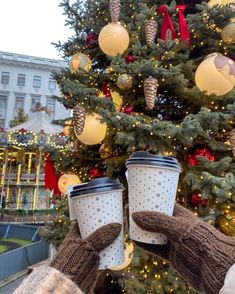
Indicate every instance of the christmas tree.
{"type": "Point", "coordinates": [19, 119]}
{"type": "Point", "coordinates": [159, 77]}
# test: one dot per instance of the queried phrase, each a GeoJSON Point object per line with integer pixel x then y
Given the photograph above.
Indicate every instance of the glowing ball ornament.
{"type": "Point", "coordinates": [67, 180]}
{"type": "Point", "coordinates": [66, 130]}
{"type": "Point", "coordinates": [216, 75]}
{"type": "Point", "coordinates": [228, 33]}
{"type": "Point", "coordinates": [115, 97]}
{"type": "Point", "coordinates": [212, 3]}
{"type": "Point", "coordinates": [220, 2]}
{"type": "Point", "coordinates": [94, 130]}
{"type": "Point", "coordinates": [117, 100]}
{"type": "Point", "coordinates": [113, 39]}
{"type": "Point", "coordinates": [124, 82]}
{"type": "Point", "coordinates": [227, 221]}
{"type": "Point", "coordinates": [107, 151]}
{"type": "Point", "coordinates": [67, 127]}
{"type": "Point", "coordinates": [80, 61]}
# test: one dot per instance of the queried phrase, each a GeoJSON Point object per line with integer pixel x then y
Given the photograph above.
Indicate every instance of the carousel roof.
{"type": "Point", "coordinates": [37, 124]}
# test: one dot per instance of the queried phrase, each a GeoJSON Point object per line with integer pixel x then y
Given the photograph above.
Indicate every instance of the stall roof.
{"type": "Point", "coordinates": [39, 123]}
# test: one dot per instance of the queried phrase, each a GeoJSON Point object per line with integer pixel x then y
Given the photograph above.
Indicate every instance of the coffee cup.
{"type": "Point", "coordinates": [152, 186]}
{"type": "Point", "coordinates": [72, 213]}
{"type": "Point", "coordinates": [97, 203]}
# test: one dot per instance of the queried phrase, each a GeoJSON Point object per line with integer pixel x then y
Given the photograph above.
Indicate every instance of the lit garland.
{"type": "Point", "coordinates": [58, 141]}
{"type": "Point", "coordinates": [24, 138]}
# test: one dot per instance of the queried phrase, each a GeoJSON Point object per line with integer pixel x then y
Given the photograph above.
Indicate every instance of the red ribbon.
{"type": "Point", "coordinates": [167, 24]}
{"type": "Point", "coordinates": [50, 178]}
{"type": "Point", "coordinates": [184, 32]}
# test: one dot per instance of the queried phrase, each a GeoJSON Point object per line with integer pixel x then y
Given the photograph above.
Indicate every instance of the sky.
{"type": "Point", "coordinates": [29, 26]}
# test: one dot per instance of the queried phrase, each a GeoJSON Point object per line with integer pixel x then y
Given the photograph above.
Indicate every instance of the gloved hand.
{"type": "Point", "coordinates": [199, 252]}
{"type": "Point", "coordinates": [78, 259]}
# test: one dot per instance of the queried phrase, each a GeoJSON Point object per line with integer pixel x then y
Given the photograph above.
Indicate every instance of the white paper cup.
{"type": "Point", "coordinates": [72, 212]}
{"type": "Point", "coordinates": [152, 186]}
{"type": "Point", "coordinates": [98, 203]}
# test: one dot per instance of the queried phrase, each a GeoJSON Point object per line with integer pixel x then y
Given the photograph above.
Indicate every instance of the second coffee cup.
{"type": "Point", "coordinates": [97, 203]}
{"type": "Point", "coordinates": [152, 186]}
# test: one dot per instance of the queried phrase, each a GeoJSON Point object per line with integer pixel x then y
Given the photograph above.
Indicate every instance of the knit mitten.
{"type": "Point", "coordinates": [78, 259]}
{"type": "Point", "coordinates": [199, 252]}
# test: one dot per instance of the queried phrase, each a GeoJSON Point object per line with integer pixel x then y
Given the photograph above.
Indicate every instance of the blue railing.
{"type": "Point", "coordinates": [27, 232]}
{"type": "Point", "coordinates": [3, 229]}
{"type": "Point", "coordinates": [16, 260]}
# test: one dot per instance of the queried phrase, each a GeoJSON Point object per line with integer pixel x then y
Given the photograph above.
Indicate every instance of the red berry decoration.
{"type": "Point", "coordinates": [199, 151]}
{"type": "Point", "coordinates": [91, 40]}
{"type": "Point", "coordinates": [196, 200]}
{"type": "Point", "coordinates": [106, 91]}
{"type": "Point", "coordinates": [130, 58]}
{"type": "Point", "coordinates": [205, 202]}
{"type": "Point", "coordinates": [53, 201]}
{"type": "Point", "coordinates": [128, 109]}
{"type": "Point", "coordinates": [96, 172]}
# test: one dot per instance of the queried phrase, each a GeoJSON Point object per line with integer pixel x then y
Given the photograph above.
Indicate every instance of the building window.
{"type": "Point", "coordinates": [21, 80]}
{"type": "Point", "coordinates": [40, 61]}
{"type": "Point", "coordinates": [52, 84]}
{"type": "Point", "coordinates": [5, 78]}
{"type": "Point", "coordinates": [36, 102]}
{"type": "Point", "coordinates": [19, 103]}
{"type": "Point", "coordinates": [3, 109]}
{"type": "Point", "coordinates": [36, 81]}
{"type": "Point", "coordinates": [54, 63]}
{"type": "Point", "coordinates": [2, 123]}
{"type": "Point", "coordinates": [51, 106]}
{"type": "Point", "coordinates": [22, 58]}
{"type": "Point", "coordinates": [7, 56]}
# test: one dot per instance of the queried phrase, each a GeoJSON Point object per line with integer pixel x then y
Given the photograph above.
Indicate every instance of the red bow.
{"type": "Point", "coordinates": [167, 24]}
{"type": "Point", "coordinates": [50, 178]}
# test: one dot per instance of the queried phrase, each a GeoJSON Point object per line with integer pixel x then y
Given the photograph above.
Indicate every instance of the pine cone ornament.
{"type": "Point", "coordinates": [150, 32]}
{"type": "Point", "coordinates": [79, 114]}
{"type": "Point", "coordinates": [232, 141]}
{"type": "Point", "coordinates": [150, 91]}
{"type": "Point", "coordinates": [114, 10]}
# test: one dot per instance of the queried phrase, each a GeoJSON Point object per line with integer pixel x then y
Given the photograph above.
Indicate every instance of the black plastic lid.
{"type": "Point", "coordinates": [96, 186]}
{"type": "Point", "coordinates": [145, 158]}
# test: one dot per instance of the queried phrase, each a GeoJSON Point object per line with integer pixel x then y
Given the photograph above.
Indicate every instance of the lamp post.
{"type": "Point", "coordinates": [4, 166]}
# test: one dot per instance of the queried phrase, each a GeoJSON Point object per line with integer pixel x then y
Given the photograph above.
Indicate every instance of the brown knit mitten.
{"type": "Point", "coordinates": [78, 259]}
{"type": "Point", "coordinates": [199, 252]}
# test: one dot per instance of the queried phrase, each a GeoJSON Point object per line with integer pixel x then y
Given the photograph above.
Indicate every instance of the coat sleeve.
{"type": "Point", "coordinates": [44, 280]}
{"type": "Point", "coordinates": [229, 282]}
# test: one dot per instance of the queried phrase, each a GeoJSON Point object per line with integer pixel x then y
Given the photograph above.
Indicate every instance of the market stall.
{"type": "Point", "coordinates": [22, 153]}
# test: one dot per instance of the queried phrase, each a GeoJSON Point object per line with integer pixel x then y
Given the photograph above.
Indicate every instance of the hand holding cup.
{"type": "Point", "coordinates": [199, 252]}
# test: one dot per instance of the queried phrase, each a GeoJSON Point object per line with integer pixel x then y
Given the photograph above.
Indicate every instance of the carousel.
{"type": "Point", "coordinates": [22, 153]}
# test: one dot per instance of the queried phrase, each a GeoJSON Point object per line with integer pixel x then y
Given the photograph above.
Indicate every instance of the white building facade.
{"type": "Point", "coordinates": [24, 82]}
